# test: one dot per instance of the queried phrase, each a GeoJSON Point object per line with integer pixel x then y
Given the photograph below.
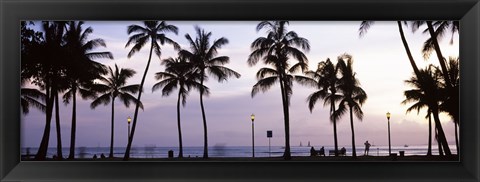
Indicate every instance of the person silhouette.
{"type": "Point", "coordinates": [367, 148]}
{"type": "Point", "coordinates": [313, 152]}
{"type": "Point", "coordinates": [322, 151]}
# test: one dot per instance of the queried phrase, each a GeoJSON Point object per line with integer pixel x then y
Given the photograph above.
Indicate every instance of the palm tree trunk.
{"type": "Point", "coordinates": [441, 134]}
{"type": "Point", "coordinates": [130, 139]}
{"type": "Point", "coordinates": [407, 49]}
{"type": "Point", "coordinates": [112, 128]}
{"type": "Point", "coordinates": [354, 151]}
{"type": "Point", "coordinates": [429, 151]}
{"type": "Point", "coordinates": [332, 103]}
{"type": "Point", "coordinates": [180, 153]}
{"type": "Point", "coordinates": [42, 150]}
{"type": "Point", "coordinates": [286, 154]}
{"type": "Point", "coordinates": [74, 125]}
{"type": "Point", "coordinates": [205, 138]}
{"type": "Point", "coordinates": [439, 54]}
{"type": "Point", "coordinates": [440, 150]}
{"type": "Point", "coordinates": [57, 123]}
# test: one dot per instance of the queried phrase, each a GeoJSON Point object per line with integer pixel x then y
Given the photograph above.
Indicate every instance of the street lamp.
{"type": "Point", "coordinates": [389, 144]}
{"type": "Point", "coordinates": [253, 134]}
{"type": "Point", "coordinates": [129, 120]}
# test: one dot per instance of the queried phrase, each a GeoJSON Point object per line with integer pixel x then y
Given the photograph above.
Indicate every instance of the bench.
{"type": "Point", "coordinates": [320, 152]}
{"type": "Point", "coordinates": [340, 152]}
{"type": "Point", "coordinates": [317, 153]}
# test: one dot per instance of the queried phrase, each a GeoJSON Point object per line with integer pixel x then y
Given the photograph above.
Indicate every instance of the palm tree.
{"type": "Point", "coordinates": [155, 32]}
{"type": "Point", "coordinates": [353, 96]}
{"type": "Point", "coordinates": [326, 81]}
{"type": "Point", "coordinates": [48, 61]}
{"type": "Point", "coordinates": [112, 87]}
{"type": "Point", "coordinates": [427, 92]}
{"type": "Point", "coordinates": [178, 74]}
{"type": "Point", "coordinates": [203, 56]}
{"type": "Point", "coordinates": [451, 82]}
{"type": "Point", "coordinates": [82, 69]}
{"type": "Point", "coordinates": [421, 101]}
{"type": "Point", "coordinates": [451, 96]}
{"type": "Point", "coordinates": [276, 49]}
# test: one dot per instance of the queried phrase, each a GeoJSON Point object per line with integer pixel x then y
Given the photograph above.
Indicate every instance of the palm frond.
{"type": "Point", "coordinates": [126, 98]}
{"type": "Point", "coordinates": [264, 84]}
{"type": "Point", "coordinates": [26, 102]}
{"type": "Point", "coordinates": [163, 83]}
{"type": "Point", "coordinates": [96, 55]}
{"type": "Point", "coordinates": [217, 44]}
{"type": "Point", "coordinates": [104, 99]}
{"type": "Point", "coordinates": [94, 44]}
{"type": "Point", "coordinates": [222, 73]}
{"type": "Point", "coordinates": [68, 95]}
{"type": "Point", "coordinates": [136, 28]}
{"type": "Point", "coordinates": [135, 38]}
{"type": "Point", "coordinates": [139, 44]}
{"type": "Point", "coordinates": [130, 88]}
{"type": "Point", "coordinates": [266, 72]}
{"type": "Point", "coordinates": [222, 60]}
{"type": "Point", "coordinates": [364, 27]}
{"type": "Point", "coordinates": [313, 98]}
{"type": "Point", "coordinates": [87, 93]}
{"type": "Point", "coordinates": [306, 81]}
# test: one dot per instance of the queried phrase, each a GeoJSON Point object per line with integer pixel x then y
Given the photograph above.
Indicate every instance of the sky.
{"type": "Point", "coordinates": [380, 63]}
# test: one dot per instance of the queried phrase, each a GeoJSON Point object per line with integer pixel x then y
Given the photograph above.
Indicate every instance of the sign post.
{"type": "Point", "coordinates": [269, 135]}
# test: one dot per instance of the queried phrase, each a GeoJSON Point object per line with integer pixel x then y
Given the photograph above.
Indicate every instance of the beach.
{"type": "Point", "coordinates": [244, 153]}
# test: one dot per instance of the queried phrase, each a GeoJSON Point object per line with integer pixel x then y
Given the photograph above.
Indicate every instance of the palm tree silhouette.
{"type": "Point", "coordinates": [427, 92]}
{"type": "Point", "coordinates": [51, 56]}
{"type": "Point", "coordinates": [353, 96]}
{"type": "Point", "coordinates": [82, 70]}
{"type": "Point", "coordinates": [155, 32]}
{"type": "Point", "coordinates": [41, 55]}
{"type": "Point", "coordinates": [421, 101]}
{"type": "Point", "coordinates": [326, 81]}
{"type": "Point", "coordinates": [112, 87]}
{"type": "Point", "coordinates": [276, 49]}
{"type": "Point", "coordinates": [450, 100]}
{"type": "Point", "coordinates": [178, 73]}
{"type": "Point", "coordinates": [203, 56]}
{"type": "Point", "coordinates": [437, 30]}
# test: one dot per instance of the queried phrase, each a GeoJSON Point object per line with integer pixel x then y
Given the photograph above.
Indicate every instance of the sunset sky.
{"type": "Point", "coordinates": [380, 62]}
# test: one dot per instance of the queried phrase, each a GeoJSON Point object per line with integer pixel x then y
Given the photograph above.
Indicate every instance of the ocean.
{"type": "Point", "coordinates": [231, 151]}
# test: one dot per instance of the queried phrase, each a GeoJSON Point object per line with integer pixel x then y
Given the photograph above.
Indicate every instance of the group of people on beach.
{"type": "Point", "coordinates": [321, 152]}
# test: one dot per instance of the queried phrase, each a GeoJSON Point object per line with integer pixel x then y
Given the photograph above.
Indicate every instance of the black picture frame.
{"type": "Point", "coordinates": [12, 12]}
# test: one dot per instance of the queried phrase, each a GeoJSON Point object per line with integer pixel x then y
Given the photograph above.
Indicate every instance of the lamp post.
{"type": "Point", "coordinates": [129, 120]}
{"type": "Point", "coordinates": [389, 144]}
{"type": "Point", "coordinates": [253, 134]}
